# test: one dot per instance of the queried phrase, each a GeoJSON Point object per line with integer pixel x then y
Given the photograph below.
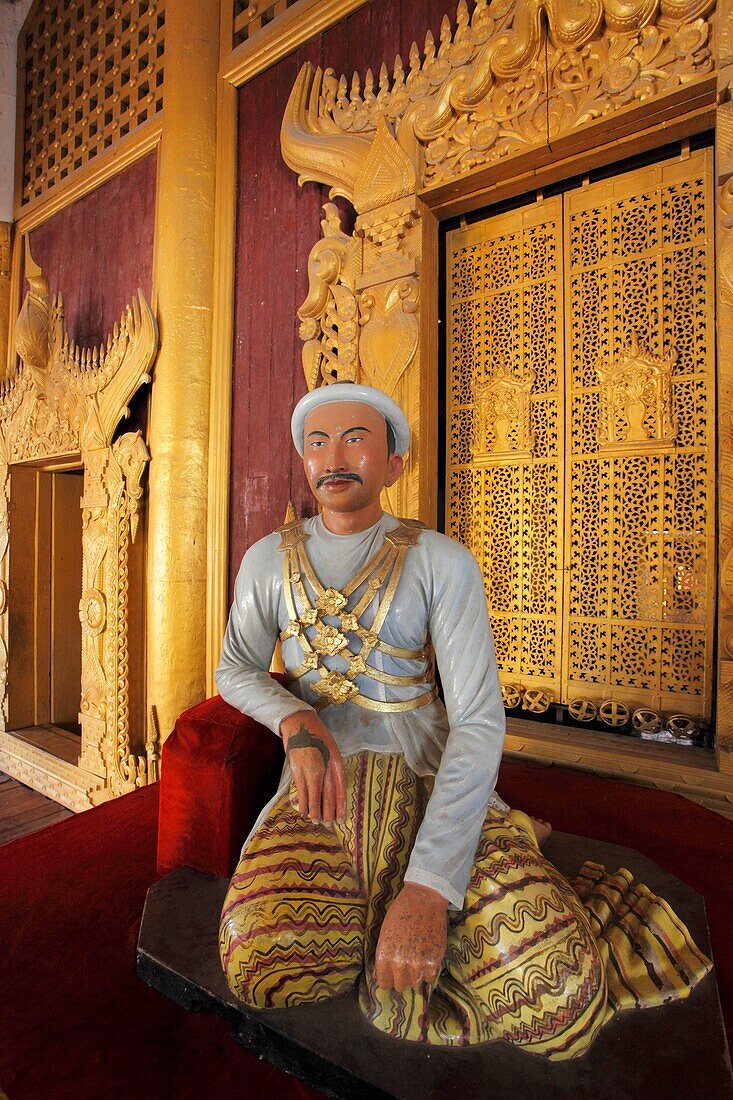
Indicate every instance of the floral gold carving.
{"type": "Point", "coordinates": [636, 402]}
{"type": "Point", "coordinates": [329, 315]}
{"type": "Point", "coordinates": [64, 401]}
{"type": "Point", "coordinates": [390, 332]}
{"type": "Point", "coordinates": [331, 602]}
{"type": "Point", "coordinates": [92, 612]}
{"type": "Point", "coordinates": [63, 398]}
{"type": "Point", "coordinates": [335, 687]}
{"type": "Point", "coordinates": [502, 416]}
{"type": "Point", "coordinates": [32, 326]}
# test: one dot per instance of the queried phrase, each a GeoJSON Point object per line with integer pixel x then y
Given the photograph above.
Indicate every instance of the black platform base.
{"type": "Point", "coordinates": [678, 1051]}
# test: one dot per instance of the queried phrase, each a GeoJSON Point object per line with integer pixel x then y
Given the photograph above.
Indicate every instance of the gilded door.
{"type": "Point", "coordinates": [580, 424]}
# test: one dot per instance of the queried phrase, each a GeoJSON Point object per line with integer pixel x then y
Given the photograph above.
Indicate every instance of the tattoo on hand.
{"type": "Point", "coordinates": [304, 739]}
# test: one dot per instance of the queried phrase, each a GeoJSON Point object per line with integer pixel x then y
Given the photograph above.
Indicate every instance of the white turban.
{"type": "Point", "coordinates": [349, 391]}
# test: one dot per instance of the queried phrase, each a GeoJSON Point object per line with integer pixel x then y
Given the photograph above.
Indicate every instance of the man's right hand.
{"type": "Point", "coordinates": [317, 767]}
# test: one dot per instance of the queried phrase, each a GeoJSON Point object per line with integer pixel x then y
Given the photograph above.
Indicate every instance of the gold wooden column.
{"type": "Point", "coordinates": [5, 235]}
{"type": "Point", "coordinates": [179, 429]}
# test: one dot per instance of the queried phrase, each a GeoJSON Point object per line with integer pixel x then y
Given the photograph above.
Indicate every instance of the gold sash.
{"type": "Point", "coordinates": [330, 641]}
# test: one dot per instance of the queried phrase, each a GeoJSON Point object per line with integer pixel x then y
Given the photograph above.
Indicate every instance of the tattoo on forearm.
{"type": "Point", "coordinates": [304, 739]}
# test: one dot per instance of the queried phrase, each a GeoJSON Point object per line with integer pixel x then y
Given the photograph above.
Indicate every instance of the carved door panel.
{"type": "Point", "coordinates": [580, 424]}
{"type": "Point", "coordinates": [640, 355]}
{"type": "Point", "coordinates": [505, 429]}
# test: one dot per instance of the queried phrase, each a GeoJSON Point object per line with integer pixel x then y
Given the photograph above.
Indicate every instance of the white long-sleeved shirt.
{"type": "Point", "coordinates": [440, 595]}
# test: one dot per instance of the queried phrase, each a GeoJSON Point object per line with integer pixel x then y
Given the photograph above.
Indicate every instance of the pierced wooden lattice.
{"type": "Point", "coordinates": [250, 16]}
{"type": "Point", "coordinates": [640, 524]}
{"type": "Point", "coordinates": [505, 490]}
{"type": "Point", "coordinates": [93, 75]}
{"type": "Point", "coordinates": [599, 562]}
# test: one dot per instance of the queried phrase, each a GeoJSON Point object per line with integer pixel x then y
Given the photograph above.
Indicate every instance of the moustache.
{"type": "Point", "coordinates": [337, 477]}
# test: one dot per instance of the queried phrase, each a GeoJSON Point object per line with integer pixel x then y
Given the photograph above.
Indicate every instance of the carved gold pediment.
{"type": "Point", "coordinates": [508, 76]}
{"type": "Point", "coordinates": [62, 398]}
{"type": "Point", "coordinates": [502, 417]}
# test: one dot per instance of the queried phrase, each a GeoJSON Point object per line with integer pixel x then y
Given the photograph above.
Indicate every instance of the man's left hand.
{"type": "Point", "coordinates": [413, 938]}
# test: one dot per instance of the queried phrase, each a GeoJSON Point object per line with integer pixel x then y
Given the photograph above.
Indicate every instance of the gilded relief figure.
{"type": "Point", "coordinates": [386, 859]}
{"type": "Point", "coordinates": [636, 401]}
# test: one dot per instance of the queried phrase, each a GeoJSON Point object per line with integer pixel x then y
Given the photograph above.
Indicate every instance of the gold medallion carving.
{"type": "Point", "coordinates": [92, 612]}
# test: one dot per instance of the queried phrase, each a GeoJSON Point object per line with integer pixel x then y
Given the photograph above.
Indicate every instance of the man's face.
{"type": "Point", "coordinates": [345, 455]}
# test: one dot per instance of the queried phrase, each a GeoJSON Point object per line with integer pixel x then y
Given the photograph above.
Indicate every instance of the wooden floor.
{"type": "Point", "coordinates": [24, 811]}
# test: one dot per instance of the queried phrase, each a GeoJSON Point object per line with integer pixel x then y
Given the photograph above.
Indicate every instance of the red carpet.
{"type": "Point", "coordinates": [76, 1020]}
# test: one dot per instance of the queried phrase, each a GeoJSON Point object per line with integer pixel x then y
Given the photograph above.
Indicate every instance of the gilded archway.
{"type": "Point", "coordinates": [64, 403]}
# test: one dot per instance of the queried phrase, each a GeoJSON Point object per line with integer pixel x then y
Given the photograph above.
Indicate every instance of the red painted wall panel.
{"type": "Point", "coordinates": [277, 225]}
{"type": "Point", "coordinates": [98, 251]}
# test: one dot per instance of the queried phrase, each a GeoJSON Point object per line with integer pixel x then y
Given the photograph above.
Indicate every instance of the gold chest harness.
{"type": "Point", "coordinates": [326, 640]}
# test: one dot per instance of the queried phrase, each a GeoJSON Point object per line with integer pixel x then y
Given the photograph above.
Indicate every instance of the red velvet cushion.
{"type": "Point", "coordinates": [218, 770]}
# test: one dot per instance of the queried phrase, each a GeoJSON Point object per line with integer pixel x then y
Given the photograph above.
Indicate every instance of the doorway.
{"type": "Point", "coordinates": [45, 582]}
{"type": "Point", "coordinates": [580, 454]}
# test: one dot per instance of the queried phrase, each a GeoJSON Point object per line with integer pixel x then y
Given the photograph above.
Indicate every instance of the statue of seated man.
{"type": "Point", "coordinates": [386, 857]}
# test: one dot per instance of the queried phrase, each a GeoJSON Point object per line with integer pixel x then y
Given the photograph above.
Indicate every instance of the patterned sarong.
{"type": "Point", "coordinates": [529, 959]}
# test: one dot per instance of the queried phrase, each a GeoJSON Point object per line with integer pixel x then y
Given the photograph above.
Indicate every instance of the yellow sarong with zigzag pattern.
{"type": "Point", "coordinates": [529, 959]}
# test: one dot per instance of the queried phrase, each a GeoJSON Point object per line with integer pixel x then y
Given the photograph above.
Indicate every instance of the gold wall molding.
{"type": "Point", "coordinates": [220, 419]}
{"type": "Point", "coordinates": [6, 230]}
{"type": "Point", "coordinates": [66, 783]}
{"type": "Point", "coordinates": [293, 25]}
{"type": "Point", "coordinates": [86, 84]}
{"type": "Point", "coordinates": [145, 140]}
{"type": "Point", "coordinates": [685, 771]}
{"type": "Point", "coordinates": [63, 403]}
